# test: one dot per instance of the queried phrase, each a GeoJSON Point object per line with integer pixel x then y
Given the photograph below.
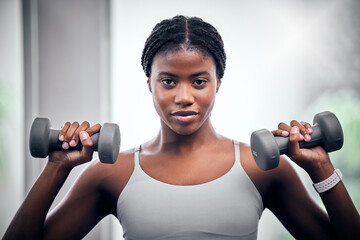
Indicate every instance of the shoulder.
{"type": "Point", "coordinates": [109, 178]}
{"type": "Point", "coordinates": [268, 182]}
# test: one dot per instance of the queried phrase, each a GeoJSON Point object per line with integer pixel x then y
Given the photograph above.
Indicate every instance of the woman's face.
{"type": "Point", "coordinates": [183, 85]}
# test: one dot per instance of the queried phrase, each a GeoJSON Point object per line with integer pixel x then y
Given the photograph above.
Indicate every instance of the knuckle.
{"type": "Point", "coordinates": [62, 132]}
{"type": "Point", "coordinates": [68, 137]}
{"type": "Point", "coordinates": [64, 127]}
{"type": "Point", "coordinates": [292, 138]}
{"type": "Point", "coordinates": [86, 140]}
{"type": "Point", "coordinates": [90, 131]}
{"type": "Point", "coordinates": [303, 123]}
{"type": "Point", "coordinates": [93, 129]}
{"type": "Point", "coordinates": [85, 123]}
{"type": "Point", "coordinates": [293, 122]}
{"type": "Point", "coordinates": [88, 144]}
{"type": "Point", "coordinates": [75, 137]}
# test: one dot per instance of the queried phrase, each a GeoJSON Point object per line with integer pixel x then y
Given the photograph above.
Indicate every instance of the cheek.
{"type": "Point", "coordinates": [210, 102]}
{"type": "Point", "coordinates": [210, 105]}
{"type": "Point", "coordinates": [160, 101]}
{"type": "Point", "coordinates": [208, 99]}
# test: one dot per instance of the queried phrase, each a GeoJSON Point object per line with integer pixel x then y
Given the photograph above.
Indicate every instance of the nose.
{"type": "Point", "coordinates": [184, 95]}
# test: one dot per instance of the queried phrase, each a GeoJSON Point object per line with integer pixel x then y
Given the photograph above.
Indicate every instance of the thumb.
{"type": "Point", "coordinates": [87, 150]}
{"type": "Point", "coordinates": [294, 148]}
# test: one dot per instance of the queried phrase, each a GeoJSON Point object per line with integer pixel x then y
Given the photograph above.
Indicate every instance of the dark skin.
{"type": "Point", "coordinates": [186, 151]}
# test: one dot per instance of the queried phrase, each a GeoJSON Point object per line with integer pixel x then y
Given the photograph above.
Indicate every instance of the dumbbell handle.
{"type": "Point", "coordinates": [56, 144]}
{"type": "Point", "coordinates": [316, 140]}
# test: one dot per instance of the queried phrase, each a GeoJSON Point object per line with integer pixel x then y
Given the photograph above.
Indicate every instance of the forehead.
{"type": "Point", "coordinates": [183, 61]}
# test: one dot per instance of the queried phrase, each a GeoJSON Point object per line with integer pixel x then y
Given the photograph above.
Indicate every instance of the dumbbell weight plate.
{"type": "Point", "coordinates": [333, 137]}
{"type": "Point", "coordinates": [109, 139]}
{"type": "Point", "coordinates": [39, 137]}
{"type": "Point", "coordinates": [265, 149]}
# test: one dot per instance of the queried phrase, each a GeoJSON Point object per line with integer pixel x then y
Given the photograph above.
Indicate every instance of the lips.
{"type": "Point", "coordinates": [184, 113]}
{"type": "Point", "coordinates": [185, 116]}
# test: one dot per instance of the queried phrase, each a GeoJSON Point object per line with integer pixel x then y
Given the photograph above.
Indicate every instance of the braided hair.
{"type": "Point", "coordinates": [182, 32]}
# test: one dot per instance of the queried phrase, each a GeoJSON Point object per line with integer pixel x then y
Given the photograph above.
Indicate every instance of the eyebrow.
{"type": "Point", "coordinates": [192, 75]}
{"type": "Point", "coordinates": [168, 74]}
{"type": "Point", "coordinates": [199, 74]}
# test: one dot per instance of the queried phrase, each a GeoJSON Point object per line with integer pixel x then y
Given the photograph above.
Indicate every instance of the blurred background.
{"type": "Point", "coordinates": [80, 60]}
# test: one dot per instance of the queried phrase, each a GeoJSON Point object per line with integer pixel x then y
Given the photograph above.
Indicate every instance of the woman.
{"type": "Point", "coordinates": [189, 182]}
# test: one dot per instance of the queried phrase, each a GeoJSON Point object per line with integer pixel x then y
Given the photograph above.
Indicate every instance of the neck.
{"type": "Point", "coordinates": [168, 140]}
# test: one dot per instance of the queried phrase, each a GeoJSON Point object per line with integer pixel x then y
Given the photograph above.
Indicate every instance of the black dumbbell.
{"type": "Point", "coordinates": [43, 139]}
{"type": "Point", "coordinates": [267, 148]}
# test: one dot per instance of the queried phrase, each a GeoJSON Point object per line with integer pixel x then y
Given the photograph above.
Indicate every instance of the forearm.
{"type": "Point", "coordinates": [343, 216]}
{"type": "Point", "coordinates": [29, 220]}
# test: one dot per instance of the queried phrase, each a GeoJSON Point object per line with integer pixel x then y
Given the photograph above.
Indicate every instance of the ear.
{"type": "Point", "coordinates": [218, 84]}
{"type": "Point", "coordinates": [149, 85]}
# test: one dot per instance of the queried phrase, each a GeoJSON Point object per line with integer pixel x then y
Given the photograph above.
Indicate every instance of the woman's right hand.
{"type": "Point", "coordinates": [70, 135]}
{"type": "Point", "coordinates": [41, 196]}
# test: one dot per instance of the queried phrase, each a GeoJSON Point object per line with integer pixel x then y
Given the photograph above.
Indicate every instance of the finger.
{"type": "Point", "coordinates": [87, 143]}
{"type": "Point", "coordinates": [308, 127]}
{"type": "Point", "coordinates": [63, 131]}
{"type": "Point", "coordinates": [69, 134]}
{"type": "Point", "coordinates": [74, 141]}
{"type": "Point", "coordinates": [294, 148]}
{"type": "Point", "coordinates": [94, 129]}
{"type": "Point", "coordinates": [284, 126]}
{"type": "Point", "coordinates": [302, 129]}
{"type": "Point", "coordinates": [280, 132]}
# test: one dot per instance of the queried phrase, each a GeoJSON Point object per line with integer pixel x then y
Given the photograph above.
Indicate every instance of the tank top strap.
{"type": "Point", "coordinates": [237, 150]}
{"type": "Point", "coordinates": [137, 156]}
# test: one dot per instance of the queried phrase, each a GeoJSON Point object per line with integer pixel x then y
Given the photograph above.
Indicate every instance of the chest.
{"type": "Point", "coordinates": [187, 169]}
{"type": "Point", "coordinates": [226, 208]}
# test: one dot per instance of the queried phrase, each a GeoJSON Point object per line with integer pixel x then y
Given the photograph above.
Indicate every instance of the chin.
{"type": "Point", "coordinates": [185, 131]}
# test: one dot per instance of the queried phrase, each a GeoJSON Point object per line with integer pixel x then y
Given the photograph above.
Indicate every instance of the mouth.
{"type": "Point", "coordinates": [184, 113]}
{"type": "Point", "coordinates": [185, 116]}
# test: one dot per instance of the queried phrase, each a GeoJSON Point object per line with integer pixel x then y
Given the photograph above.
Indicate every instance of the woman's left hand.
{"type": "Point", "coordinates": [308, 159]}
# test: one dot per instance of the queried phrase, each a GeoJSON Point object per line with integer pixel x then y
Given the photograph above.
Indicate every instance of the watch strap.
{"type": "Point", "coordinates": [328, 183]}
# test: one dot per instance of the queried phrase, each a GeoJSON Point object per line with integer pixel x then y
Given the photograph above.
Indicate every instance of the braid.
{"type": "Point", "coordinates": [171, 34]}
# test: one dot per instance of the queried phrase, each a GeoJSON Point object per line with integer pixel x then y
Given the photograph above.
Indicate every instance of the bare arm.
{"type": "Point", "coordinates": [297, 211]}
{"type": "Point", "coordinates": [30, 219]}
{"type": "Point", "coordinates": [344, 218]}
{"type": "Point", "coordinates": [83, 207]}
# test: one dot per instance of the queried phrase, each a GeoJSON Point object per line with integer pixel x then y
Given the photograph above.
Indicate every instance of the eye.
{"type": "Point", "coordinates": [199, 82]}
{"type": "Point", "coordinates": [168, 82]}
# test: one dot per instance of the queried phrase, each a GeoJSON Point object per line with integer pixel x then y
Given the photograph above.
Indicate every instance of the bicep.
{"type": "Point", "coordinates": [79, 211]}
{"type": "Point", "coordinates": [294, 207]}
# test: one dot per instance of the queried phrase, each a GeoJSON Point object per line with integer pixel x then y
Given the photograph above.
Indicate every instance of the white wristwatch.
{"type": "Point", "coordinates": [328, 183]}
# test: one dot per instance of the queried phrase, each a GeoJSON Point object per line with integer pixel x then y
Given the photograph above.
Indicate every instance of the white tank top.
{"type": "Point", "coordinates": [228, 207]}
